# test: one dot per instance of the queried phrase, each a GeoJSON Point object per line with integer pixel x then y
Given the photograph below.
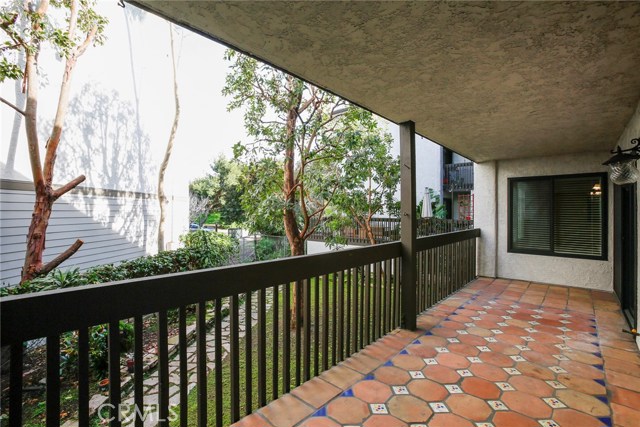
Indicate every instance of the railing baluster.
{"type": "Point", "coordinates": [376, 302]}
{"type": "Point", "coordinates": [15, 386]}
{"type": "Point", "coordinates": [248, 350]}
{"type": "Point", "coordinates": [114, 373]}
{"type": "Point", "coordinates": [361, 281]}
{"type": "Point", "coordinates": [201, 361]}
{"type": "Point", "coordinates": [163, 368]}
{"type": "Point", "coordinates": [217, 356]}
{"type": "Point", "coordinates": [299, 319]}
{"type": "Point", "coordinates": [53, 381]}
{"type": "Point", "coordinates": [354, 310]}
{"type": "Point", "coordinates": [325, 322]}
{"type": "Point", "coordinates": [138, 371]}
{"type": "Point", "coordinates": [348, 312]}
{"type": "Point", "coordinates": [276, 334]}
{"type": "Point", "coordinates": [367, 304]}
{"type": "Point", "coordinates": [184, 378]}
{"type": "Point", "coordinates": [286, 351]}
{"type": "Point", "coordinates": [340, 328]}
{"type": "Point", "coordinates": [387, 296]}
{"type": "Point", "coordinates": [306, 319]}
{"type": "Point", "coordinates": [316, 326]}
{"type": "Point", "coordinates": [83, 377]}
{"type": "Point", "coordinates": [262, 347]}
{"type": "Point", "coordinates": [334, 318]}
{"type": "Point", "coordinates": [234, 356]}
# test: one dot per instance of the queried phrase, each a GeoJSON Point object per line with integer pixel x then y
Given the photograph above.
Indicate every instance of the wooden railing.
{"type": "Point", "coordinates": [343, 301]}
{"type": "Point", "coordinates": [387, 229]}
{"type": "Point", "coordinates": [458, 177]}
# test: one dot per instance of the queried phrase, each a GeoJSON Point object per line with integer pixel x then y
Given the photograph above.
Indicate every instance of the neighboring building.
{"type": "Point", "coordinates": [457, 185]}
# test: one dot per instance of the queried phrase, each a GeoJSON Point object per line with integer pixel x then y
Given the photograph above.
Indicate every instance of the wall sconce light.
{"type": "Point", "coordinates": [622, 166]}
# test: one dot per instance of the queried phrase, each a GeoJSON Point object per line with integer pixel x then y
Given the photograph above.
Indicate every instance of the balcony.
{"type": "Point", "coordinates": [343, 301]}
{"type": "Point", "coordinates": [458, 177]}
{"type": "Point", "coordinates": [495, 353]}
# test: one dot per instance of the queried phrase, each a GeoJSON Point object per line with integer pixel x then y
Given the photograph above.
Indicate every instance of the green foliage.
{"type": "Point", "coordinates": [203, 250]}
{"type": "Point", "coordinates": [369, 174]}
{"type": "Point", "coordinates": [27, 30]}
{"type": "Point", "coordinates": [301, 135]}
{"type": "Point", "coordinates": [98, 348]}
{"type": "Point", "coordinates": [222, 190]}
{"type": "Point", "coordinates": [271, 247]}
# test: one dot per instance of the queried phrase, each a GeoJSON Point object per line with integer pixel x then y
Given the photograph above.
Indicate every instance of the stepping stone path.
{"type": "Point", "coordinates": [151, 383]}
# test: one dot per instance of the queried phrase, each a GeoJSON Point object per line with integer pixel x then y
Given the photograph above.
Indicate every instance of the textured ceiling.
{"type": "Point", "coordinates": [489, 80]}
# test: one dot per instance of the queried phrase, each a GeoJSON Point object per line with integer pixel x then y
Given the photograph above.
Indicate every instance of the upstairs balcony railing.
{"type": "Point", "coordinates": [387, 229]}
{"type": "Point", "coordinates": [343, 301]}
{"type": "Point", "coordinates": [458, 177]}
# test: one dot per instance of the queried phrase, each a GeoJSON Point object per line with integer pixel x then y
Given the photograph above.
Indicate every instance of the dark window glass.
{"type": "Point", "coordinates": [559, 215]}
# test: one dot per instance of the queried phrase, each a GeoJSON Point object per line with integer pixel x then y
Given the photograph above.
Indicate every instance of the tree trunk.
{"type": "Point", "coordinates": [162, 198]}
{"type": "Point", "coordinates": [43, 176]}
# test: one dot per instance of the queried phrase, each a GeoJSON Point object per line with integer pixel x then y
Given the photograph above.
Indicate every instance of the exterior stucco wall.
{"type": "Point", "coordinates": [484, 216]}
{"type": "Point", "coordinates": [633, 131]}
{"type": "Point", "coordinates": [593, 274]}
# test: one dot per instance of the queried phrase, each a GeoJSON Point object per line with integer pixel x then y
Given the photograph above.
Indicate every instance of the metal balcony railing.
{"type": "Point", "coordinates": [458, 177]}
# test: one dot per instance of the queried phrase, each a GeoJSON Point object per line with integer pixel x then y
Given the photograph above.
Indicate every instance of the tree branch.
{"type": "Point", "coordinates": [61, 258]}
{"type": "Point", "coordinates": [12, 105]}
{"type": "Point", "coordinates": [68, 186]}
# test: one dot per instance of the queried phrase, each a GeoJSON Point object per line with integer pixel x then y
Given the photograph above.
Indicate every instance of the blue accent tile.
{"type": "Point", "coordinates": [369, 377]}
{"type": "Point", "coordinates": [601, 382]}
{"type": "Point", "coordinates": [606, 421]}
{"type": "Point", "coordinates": [595, 334]}
{"type": "Point", "coordinates": [404, 352]}
{"type": "Point", "coordinates": [416, 342]}
{"type": "Point", "coordinates": [322, 412]}
{"type": "Point", "coordinates": [388, 363]}
{"type": "Point", "coordinates": [428, 333]}
{"type": "Point", "coordinates": [597, 354]}
{"type": "Point", "coordinates": [601, 367]}
{"type": "Point", "coordinates": [347, 393]}
{"type": "Point", "coordinates": [603, 399]}
{"type": "Point", "coordinates": [446, 318]}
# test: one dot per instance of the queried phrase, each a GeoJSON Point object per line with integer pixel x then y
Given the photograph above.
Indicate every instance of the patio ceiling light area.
{"type": "Point", "coordinates": [488, 80]}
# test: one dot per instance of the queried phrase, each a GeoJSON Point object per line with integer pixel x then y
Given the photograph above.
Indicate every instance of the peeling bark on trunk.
{"type": "Point", "coordinates": [43, 174]}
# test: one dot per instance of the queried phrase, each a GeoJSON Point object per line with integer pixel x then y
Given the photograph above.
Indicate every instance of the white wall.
{"type": "Point", "coordinates": [496, 261]}
{"type": "Point", "coordinates": [428, 162]}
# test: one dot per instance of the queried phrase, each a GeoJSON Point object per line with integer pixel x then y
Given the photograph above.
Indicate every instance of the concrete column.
{"type": "Point", "coordinates": [408, 222]}
{"type": "Point", "coordinates": [485, 216]}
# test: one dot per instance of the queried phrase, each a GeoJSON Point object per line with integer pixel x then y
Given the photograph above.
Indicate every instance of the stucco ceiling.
{"type": "Point", "coordinates": [489, 80]}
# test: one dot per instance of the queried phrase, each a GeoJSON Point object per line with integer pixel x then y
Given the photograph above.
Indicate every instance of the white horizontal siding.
{"type": "Point", "coordinates": [115, 226]}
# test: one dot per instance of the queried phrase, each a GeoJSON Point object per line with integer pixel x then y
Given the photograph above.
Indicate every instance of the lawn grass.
{"type": "Point", "coordinates": [244, 388]}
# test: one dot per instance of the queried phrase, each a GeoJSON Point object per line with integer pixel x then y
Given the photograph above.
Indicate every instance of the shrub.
{"type": "Point", "coordinates": [202, 249]}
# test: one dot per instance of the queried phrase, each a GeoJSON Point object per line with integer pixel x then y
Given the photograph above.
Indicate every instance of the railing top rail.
{"type": "Point", "coordinates": [31, 316]}
{"type": "Point", "coordinates": [429, 242]}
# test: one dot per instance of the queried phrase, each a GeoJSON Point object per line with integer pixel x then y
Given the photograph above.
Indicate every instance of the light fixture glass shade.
{"type": "Point", "coordinates": [623, 173]}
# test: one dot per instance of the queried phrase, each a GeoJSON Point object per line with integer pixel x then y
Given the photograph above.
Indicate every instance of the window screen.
{"type": "Point", "coordinates": [558, 215]}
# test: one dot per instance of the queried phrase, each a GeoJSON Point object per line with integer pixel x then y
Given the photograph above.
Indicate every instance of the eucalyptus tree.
{"type": "Point", "coordinates": [70, 27]}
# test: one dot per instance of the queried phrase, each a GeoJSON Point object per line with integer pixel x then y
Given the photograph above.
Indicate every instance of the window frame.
{"type": "Point", "coordinates": [604, 214]}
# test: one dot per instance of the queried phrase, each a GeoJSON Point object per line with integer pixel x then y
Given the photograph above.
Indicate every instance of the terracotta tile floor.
{"type": "Point", "coordinates": [497, 353]}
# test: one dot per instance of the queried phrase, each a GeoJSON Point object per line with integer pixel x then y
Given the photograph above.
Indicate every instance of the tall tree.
{"type": "Point", "coordinates": [298, 127]}
{"type": "Point", "coordinates": [28, 26]}
{"type": "Point", "coordinates": [369, 178]}
{"type": "Point", "coordinates": [222, 190]}
{"type": "Point", "coordinates": [162, 197]}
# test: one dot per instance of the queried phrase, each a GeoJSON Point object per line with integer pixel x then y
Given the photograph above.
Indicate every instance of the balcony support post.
{"type": "Point", "coordinates": [408, 222]}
